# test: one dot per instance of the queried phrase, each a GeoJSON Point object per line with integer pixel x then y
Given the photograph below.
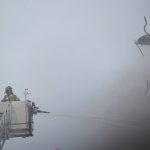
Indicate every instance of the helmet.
{"type": "Point", "coordinates": [8, 88]}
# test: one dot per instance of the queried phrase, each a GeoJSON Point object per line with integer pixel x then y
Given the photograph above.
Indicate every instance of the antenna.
{"type": "Point", "coordinates": [145, 26]}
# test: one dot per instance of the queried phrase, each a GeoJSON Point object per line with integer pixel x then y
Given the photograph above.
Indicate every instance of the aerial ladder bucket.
{"type": "Point", "coordinates": [16, 120]}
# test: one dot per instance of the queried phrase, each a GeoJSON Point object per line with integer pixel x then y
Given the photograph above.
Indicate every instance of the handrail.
{"type": "Point", "coordinates": [4, 125]}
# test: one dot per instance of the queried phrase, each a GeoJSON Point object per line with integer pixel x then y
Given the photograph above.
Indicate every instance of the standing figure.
{"type": "Point", "coordinates": [9, 95]}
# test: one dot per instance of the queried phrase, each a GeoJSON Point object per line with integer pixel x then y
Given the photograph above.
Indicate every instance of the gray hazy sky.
{"type": "Point", "coordinates": [78, 57]}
